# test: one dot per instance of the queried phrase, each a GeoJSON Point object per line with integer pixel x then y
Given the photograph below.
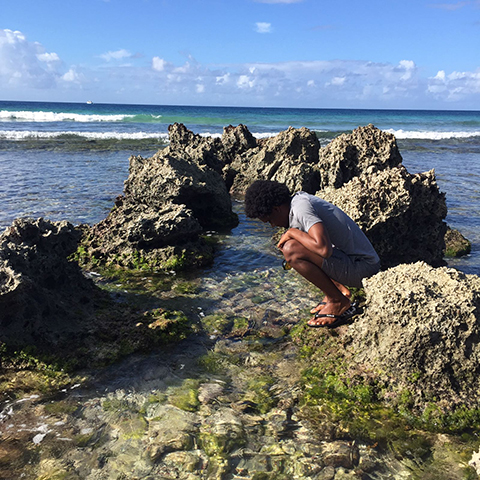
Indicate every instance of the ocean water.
{"type": "Point", "coordinates": [69, 161]}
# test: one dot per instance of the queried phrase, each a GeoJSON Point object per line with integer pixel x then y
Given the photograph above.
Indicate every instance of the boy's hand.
{"type": "Point", "coordinates": [284, 238]}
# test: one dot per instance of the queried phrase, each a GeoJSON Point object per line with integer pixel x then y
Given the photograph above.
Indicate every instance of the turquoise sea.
{"type": "Point", "coordinates": [69, 161]}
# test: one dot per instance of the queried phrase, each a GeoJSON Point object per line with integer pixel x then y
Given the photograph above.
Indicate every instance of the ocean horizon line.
{"type": "Point", "coordinates": [166, 105]}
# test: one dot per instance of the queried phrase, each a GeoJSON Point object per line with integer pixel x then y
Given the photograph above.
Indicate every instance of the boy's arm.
{"type": "Point", "coordinates": [316, 240]}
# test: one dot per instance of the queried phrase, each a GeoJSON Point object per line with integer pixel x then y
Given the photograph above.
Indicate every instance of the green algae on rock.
{"type": "Point", "coordinates": [456, 245]}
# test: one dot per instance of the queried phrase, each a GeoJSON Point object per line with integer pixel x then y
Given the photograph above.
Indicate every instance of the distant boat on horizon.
{"type": "Point", "coordinates": [89, 102]}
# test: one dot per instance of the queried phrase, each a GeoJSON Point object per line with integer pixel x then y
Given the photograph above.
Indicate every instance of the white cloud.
{"type": "Point", "coordinates": [159, 64]}
{"type": "Point", "coordinates": [26, 64]}
{"type": "Point", "coordinates": [454, 87]}
{"type": "Point", "coordinates": [408, 67]}
{"type": "Point", "coordinates": [244, 82]}
{"type": "Point", "coordinates": [116, 55]}
{"type": "Point", "coordinates": [222, 79]}
{"type": "Point", "coordinates": [263, 27]}
{"type": "Point", "coordinates": [48, 57]}
{"type": "Point", "coordinates": [72, 76]}
{"type": "Point", "coordinates": [27, 67]}
{"type": "Point", "coordinates": [337, 81]}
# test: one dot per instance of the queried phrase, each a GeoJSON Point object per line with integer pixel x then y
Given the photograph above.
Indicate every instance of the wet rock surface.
{"type": "Point", "coordinates": [48, 305]}
{"type": "Point", "coordinates": [456, 245]}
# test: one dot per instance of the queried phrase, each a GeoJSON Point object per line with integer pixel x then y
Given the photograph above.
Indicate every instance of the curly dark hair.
{"type": "Point", "coordinates": [262, 195]}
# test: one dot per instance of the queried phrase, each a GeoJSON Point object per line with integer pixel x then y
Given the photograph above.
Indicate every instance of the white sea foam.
{"type": "Point", "coordinates": [19, 135]}
{"type": "Point", "coordinates": [27, 116]}
{"type": "Point", "coordinates": [431, 135]}
{"type": "Point", "coordinates": [34, 135]}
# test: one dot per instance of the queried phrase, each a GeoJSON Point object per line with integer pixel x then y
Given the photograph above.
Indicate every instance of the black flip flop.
{"type": "Point", "coordinates": [345, 318]}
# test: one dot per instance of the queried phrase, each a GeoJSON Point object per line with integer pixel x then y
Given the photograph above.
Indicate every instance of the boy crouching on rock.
{"type": "Point", "coordinates": [322, 243]}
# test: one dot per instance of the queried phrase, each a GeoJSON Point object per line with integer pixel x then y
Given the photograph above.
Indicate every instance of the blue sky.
{"type": "Point", "coordinates": [285, 53]}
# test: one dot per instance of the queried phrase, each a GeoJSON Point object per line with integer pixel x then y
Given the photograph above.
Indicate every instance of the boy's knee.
{"type": "Point", "coordinates": [291, 249]}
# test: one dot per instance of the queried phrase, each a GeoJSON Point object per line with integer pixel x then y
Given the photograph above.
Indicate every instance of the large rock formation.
{"type": "Point", "coordinates": [289, 157]}
{"type": "Point", "coordinates": [421, 332]}
{"type": "Point", "coordinates": [47, 302]}
{"type": "Point", "coordinates": [364, 151]}
{"type": "Point", "coordinates": [43, 296]}
{"type": "Point", "coordinates": [401, 214]}
{"type": "Point", "coordinates": [362, 173]}
{"type": "Point", "coordinates": [169, 200]}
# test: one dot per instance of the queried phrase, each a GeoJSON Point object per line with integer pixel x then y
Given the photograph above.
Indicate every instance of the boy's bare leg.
{"type": "Point", "coordinates": [309, 266]}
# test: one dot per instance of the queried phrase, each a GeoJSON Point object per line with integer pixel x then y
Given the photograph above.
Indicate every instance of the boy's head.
{"type": "Point", "coordinates": [262, 196]}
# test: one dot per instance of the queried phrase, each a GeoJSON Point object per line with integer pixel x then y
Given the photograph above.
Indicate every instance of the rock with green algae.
{"type": "Point", "coordinates": [168, 201]}
{"type": "Point", "coordinates": [221, 433]}
{"type": "Point", "coordinates": [421, 328]}
{"type": "Point", "coordinates": [169, 429]}
{"type": "Point", "coordinates": [456, 245]}
{"type": "Point", "coordinates": [49, 307]}
{"type": "Point", "coordinates": [39, 287]}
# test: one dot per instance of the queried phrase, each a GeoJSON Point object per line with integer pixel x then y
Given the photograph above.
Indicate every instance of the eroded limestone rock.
{"type": "Point", "coordinates": [401, 214]}
{"type": "Point", "coordinates": [169, 199]}
{"type": "Point", "coordinates": [289, 157]}
{"type": "Point", "coordinates": [364, 151]}
{"type": "Point", "coordinates": [47, 302]}
{"type": "Point", "coordinates": [421, 327]}
{"type": "Point", "coordinates": [43, 296]}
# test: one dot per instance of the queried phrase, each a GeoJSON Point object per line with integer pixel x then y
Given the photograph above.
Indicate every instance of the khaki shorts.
{"type": "Point", "coordinates": [349, 270]}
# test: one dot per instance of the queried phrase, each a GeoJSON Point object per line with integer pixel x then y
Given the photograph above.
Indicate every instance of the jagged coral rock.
{"type": "Point", "coordinates": [47, 302]}
{"type": "Point", "coordinates": [421, 328]}
{"type": "Point", "coordinates": [364, 151]}
{"type": "Point", "coordinates": [42, 294]}
{"type": "Point", "coordinates": [289, 157]}
{"type": "Point", "coordinates": [169, 199]}
{"type": "Point", "coordinates": [401, 214]}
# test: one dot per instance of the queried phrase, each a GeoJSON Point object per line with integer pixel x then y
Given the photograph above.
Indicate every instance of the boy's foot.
{"type": "Point", "coordinates": [319, 306]}
{"type": "Point", "coordinates": [332, 311]}
{"type": "Point", "coordinates": [345, 292]}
